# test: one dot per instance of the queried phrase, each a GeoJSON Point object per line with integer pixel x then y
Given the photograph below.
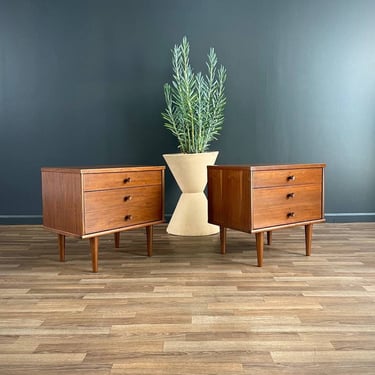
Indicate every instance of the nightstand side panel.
{"type": "Point", "coordinates": [229, 197]}
{"type": "Point", "coordinates": [215, 196]}
{"type": "Point", "coordinates": [62, 202]}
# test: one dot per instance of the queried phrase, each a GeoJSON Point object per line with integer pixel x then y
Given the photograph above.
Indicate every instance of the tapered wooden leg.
{"type": "Point", "coordinates": [269, 237]}
{"type": "Point", "coordinates": [94, 244]}
{"type": "Point", "coordinates": [117, 240]}
{"type": "Point", "coordinates": [223, 239]}
{"type": "Point", "coordinates": [149, 234]}
{"type": "Point", "coordinates": [259, 237]}
{"type": "Point", "coordinates": [308, 238]}
{"type": "Point", "coordinates": [61, 240]}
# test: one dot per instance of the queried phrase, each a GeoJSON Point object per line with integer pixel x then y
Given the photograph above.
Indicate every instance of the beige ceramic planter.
{"type": "Point", "coordinates": [190, 217]}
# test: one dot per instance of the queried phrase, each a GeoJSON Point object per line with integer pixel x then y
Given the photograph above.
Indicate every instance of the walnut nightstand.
{"type": "Point", "coordinates": [258, 199]}
{"type": "Point", "coordinates": [93, 201]}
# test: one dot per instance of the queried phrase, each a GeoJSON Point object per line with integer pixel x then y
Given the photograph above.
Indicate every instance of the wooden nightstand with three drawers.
{"type": "Point", "coordinates": [258, 199]}
{"type": "Point", "coordinates": [93, 201]}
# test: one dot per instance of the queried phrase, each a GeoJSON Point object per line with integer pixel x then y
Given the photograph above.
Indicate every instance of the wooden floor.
{"type": "Point", "coordinates": [189, 309]}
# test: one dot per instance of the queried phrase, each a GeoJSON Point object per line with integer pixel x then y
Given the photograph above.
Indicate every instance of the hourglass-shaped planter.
{"type": "Point", "coordinates": [190, 217]}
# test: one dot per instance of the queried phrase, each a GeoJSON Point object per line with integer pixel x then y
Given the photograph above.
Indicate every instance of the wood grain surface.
{"type": "Point", "coordinates": [189, 309]}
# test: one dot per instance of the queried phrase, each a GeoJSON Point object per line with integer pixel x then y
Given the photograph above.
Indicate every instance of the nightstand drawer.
{"type": "Point", "coordinates": [117, 208]}
{"type": "Point", "coordinates": [287, 177]}
{"type": "Point", "coordinates": [117, 180]}
{"type": "Point", "coordinates": [286, 205]}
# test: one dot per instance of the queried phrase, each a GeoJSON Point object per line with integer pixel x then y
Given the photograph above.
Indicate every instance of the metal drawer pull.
{"type": "Point", "coordinates": [128, 198]}
{"type": "Point", "coordinates": [290, 214]}
{"type": "Point", "coordinates": [128, 217]}
{"type": "Point", "coordinates": [127, 179]}
{"type": "Point", "coordinates": [291, 178]}
{"type": "Point", "coordinates": [290, 195]}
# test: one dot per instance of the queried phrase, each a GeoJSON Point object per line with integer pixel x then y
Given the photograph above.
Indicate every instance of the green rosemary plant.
{"type": "Point", "coordinates": [194, 103]}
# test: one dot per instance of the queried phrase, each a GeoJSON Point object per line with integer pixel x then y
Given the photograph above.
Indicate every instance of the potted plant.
{"type": "Point", "coordinates": [194, 113]}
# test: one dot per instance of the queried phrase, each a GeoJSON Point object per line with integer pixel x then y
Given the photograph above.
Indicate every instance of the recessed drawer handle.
{"type": "Point", "coordinates": [126, 180]}
{"type": "Point", "coordinates": [128, 198]}
{"type": "Point", "coordinates": [128, 217]}
{"type": "Point", "coordinates": [291, 178]}
{"type": "Point", "coordinates": [290, 195]}
{"type": "Point", "coordinates": [290, 214]}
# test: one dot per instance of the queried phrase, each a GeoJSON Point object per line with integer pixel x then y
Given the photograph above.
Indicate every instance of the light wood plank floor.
{"type": "Point", "coordinates": [189, 309]}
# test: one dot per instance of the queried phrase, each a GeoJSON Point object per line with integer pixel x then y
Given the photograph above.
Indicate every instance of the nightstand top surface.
{"type": "Point", "coordinates": [101, 168]}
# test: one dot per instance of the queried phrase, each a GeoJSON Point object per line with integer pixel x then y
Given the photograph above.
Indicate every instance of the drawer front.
{"type": "Point", "coordinates": [111, 209]}
{"type": "Point", "coordinates": [287, 177]}
{"type": "Point", "coordinates": [117, 180]}
{"type": "Point", "coordinates": [286, 205]}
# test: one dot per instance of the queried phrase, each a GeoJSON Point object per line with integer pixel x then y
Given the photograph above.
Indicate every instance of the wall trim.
{"type": "Point", "coordinates": [348, 217]}
{"type": "Point", "coordinates": [20, 219]}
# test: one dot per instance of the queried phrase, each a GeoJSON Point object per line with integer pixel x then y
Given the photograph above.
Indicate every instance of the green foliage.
{"type": "Point", "coordinates": [195, 103]}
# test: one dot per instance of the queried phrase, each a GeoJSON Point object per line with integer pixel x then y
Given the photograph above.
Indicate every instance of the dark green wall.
{"type": "Point", "coordinates": [81, 84]}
